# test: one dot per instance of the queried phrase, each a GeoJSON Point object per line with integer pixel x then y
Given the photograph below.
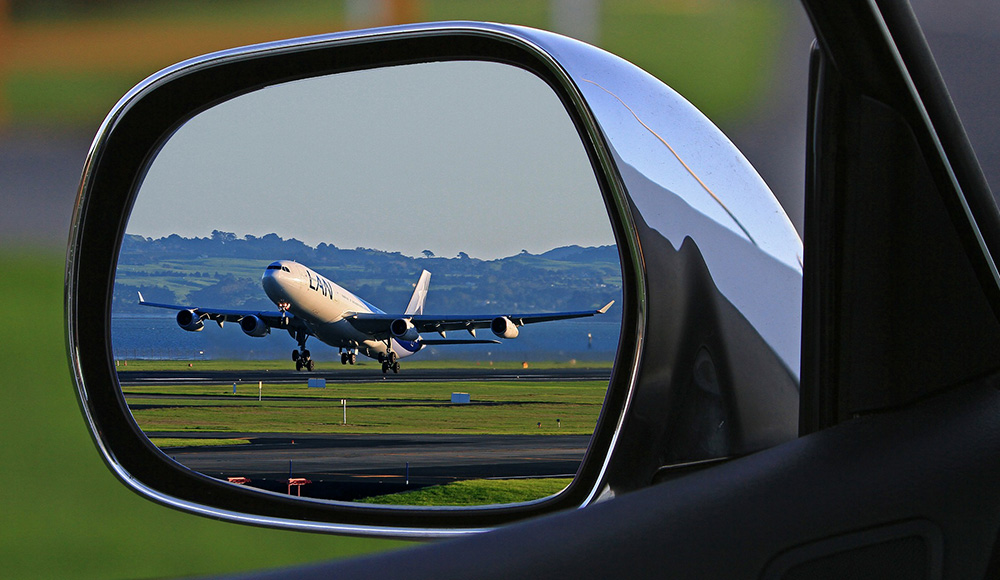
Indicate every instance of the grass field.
{"type": "Point", "coordinates": [176, 275]}
{"type": "Point", "coordinates": [557, 407]}
{"type": "Point", "coordinates": [65, 515]}
{"type": "Point", "coordinates": [168, 442]}
{"type": "Point", "coordinates": [476, 492]}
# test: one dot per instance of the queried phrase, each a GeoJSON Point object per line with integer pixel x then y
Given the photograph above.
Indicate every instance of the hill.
{"type": "Point", "coordinates": [224, 271]}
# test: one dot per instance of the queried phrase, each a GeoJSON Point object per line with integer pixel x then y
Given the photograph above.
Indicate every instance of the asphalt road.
{"type": "Point", "coordinates": [348, 467]}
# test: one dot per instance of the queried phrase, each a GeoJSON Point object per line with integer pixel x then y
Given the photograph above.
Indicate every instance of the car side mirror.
{"type": "Point", "coordinates": [692, 262]}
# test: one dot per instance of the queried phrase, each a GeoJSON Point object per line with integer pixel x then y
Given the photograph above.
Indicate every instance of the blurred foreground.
{"type": "Point", "coordinates": [65, 515]}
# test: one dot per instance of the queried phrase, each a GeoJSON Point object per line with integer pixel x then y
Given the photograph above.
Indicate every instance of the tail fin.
{"type": "Point", "coordinates": [416, 305]}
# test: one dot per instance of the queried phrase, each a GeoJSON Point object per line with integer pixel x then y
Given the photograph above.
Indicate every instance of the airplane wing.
{"type": "Point", "coordinates": [377, 324]}
{"type": "Point", "coordinates": [273, 319]}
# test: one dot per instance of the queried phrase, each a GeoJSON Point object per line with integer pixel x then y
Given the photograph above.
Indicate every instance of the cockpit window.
{"type": "Point", "coordinates": [277, 267]}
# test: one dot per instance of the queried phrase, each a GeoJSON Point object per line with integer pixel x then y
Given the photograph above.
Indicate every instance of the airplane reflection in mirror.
{"type": "Point", "coordinates": [311, 305]}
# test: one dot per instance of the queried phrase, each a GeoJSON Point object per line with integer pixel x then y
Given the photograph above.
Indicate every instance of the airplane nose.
{"type": "Point", "coordinates": [272, 283]}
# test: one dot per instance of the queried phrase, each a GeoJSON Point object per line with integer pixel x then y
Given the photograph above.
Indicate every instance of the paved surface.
{"type": "Point", "coordinates": [347, 467]}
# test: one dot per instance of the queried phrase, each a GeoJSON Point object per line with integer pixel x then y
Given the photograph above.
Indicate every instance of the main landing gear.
{"type": "Point", "coordinates": [389, 361]}
{"type": "Point", "coordinates": [348, 357]}
{"type": "Point", "coordinates": [302, 359]}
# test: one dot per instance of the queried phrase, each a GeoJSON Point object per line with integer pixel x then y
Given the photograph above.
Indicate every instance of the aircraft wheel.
{"type": "Point", "coordinates": [381, 357]}
{"type": "Point", "coordinates": [395, 367]}
{"type": "Point", "coordinates": [295, 354]}
{"type": "Point", "coordinates": [385, 367]}
{"type": "Point", "coordinates": [343, 358]}
{"type": "Point", "coordinates": [352, 358]}
{"type": "Point", "coordinates": [392, 358]}
{"type": "Point", "coordinates": [298, 364]}
{"type": "Point", "coordinates": [311, 364]}
{"type": "Point", "coordinates": [305, 354]}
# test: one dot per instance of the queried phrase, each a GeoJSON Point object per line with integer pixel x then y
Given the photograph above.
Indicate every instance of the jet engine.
{"type": "Point", "coordinates": [190, 321]}
{"type": "Point", "coordinates": [503, 327]}
{"type": "Point", "coordinates": [254, 326]}
{"type": "Point", "coordinates": [403, 329]}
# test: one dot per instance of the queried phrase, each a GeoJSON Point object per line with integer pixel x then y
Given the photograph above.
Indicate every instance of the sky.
{"type": "Point", "coordinates": [450, 157]}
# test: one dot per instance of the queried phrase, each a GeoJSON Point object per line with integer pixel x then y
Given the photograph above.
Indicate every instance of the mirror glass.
{"type": "Point", "coordinates": [343, 288]}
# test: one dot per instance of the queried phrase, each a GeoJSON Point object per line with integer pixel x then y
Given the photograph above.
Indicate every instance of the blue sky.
{"type": "Point", "coordinates": [456, 156]}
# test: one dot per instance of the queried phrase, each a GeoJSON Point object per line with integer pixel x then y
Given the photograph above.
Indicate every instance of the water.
{"type": "Point", "coordinates": [157, 337]}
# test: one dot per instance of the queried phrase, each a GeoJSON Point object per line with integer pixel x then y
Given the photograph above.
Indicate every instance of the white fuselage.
{"type": "Point", "coordinates": [321, 304]}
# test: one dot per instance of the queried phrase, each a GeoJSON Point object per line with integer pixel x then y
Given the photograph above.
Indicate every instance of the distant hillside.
{"type": "Point", "coordinates": [583, 255]}
{"type": "Point", "coordinates": [224, 271]}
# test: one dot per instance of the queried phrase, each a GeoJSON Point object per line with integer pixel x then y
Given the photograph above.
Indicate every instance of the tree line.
{"type": "Point", "coordinates": [175, 270]}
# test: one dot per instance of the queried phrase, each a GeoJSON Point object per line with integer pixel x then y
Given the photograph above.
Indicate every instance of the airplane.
{"type": "Point", "coordinates": [311, 305]}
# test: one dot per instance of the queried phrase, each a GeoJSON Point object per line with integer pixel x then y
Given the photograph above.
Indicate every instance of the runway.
{"type": "Point", "coordinates": [349, 467]}
{"type": "Point", "coordinates": [352, 466]}
{"type": "Point", "coordinates": [355, 375]}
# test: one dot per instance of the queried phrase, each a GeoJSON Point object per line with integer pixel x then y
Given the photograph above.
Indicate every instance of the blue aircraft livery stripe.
{"type": "Point", "coordinates": [408, 345]}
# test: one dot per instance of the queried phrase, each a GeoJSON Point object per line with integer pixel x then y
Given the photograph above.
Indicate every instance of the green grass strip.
{"type": "Point", "coordinates": [476, 492]}
{"type": "Point", "coordinates": [166, 442]}
{"type": "Point", "coordinates": [556, 408]}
